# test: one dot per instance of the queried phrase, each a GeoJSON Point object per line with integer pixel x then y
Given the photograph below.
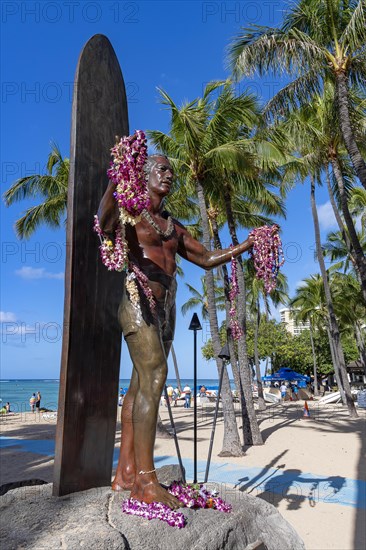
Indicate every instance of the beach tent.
{"type": "Point", "coordinates": [288, 375]}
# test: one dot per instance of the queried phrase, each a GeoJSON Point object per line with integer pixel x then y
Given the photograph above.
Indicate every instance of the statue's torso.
{"type": "Point", "coordinates": [154, 256]}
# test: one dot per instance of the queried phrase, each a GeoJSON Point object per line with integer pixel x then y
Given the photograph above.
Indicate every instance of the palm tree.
{"type": "Point", "coordinates": [333, 323]}
{"type": "Point", "coordinates": [310, 164]}
{"type": "Point", "coordinates": [195, 151]}
{"type": "Point", "coordinates": [336, 250]}
{"type": "Point", "coordinates": [52, 187]}
{"type": "Point", "coordinates": [357, 204]}
{"type": "Point", "coordinates": [318, 122]}
{"type": "Point", "coordinates": [213, 149]}
{"type": "Point", "coordinates": [319, 40]}
{"type": "Point", "coordinates": [200, 298]}
{"type": "Point", "coordinates": [350, 309]}
{"type": "Point", "coordinates": [255, 295]}
{"type": "Point", "coordinates": [236, 189]}
{"type": "Point", "coordinates": [309, 305]}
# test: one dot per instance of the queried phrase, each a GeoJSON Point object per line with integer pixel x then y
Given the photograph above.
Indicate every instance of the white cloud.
{"type": "Point", "coordinates": [27, 272]}
{"type": "Point", "coordinates": [7, 317]}
{"type": "Point", "coordinates": [326, 216]}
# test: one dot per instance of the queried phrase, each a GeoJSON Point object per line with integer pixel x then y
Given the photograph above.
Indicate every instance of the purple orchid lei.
{"type": "Point", "coordinates": [127, 173]}
{"type": "Point", "coordinates": [196, 495]}
{"type": "Point", "coordinates": [191, 495]}
{"type": "Point", "coordinates": [267, 254]}
{"type": "Point", "coordinates": [155, 510]}
{"type": "Point", "coordinates": [236, 330]}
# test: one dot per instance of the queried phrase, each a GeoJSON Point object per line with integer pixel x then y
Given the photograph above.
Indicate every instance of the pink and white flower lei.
{"type": "Point", "coordinates": [127, 173]}
{"type": "Point", "coordinates": [192, 496]}
{"type": "Point", "coordinates": [267, 254]}
{"type": "Point", "coordinates": [114, 256]}
{"type": "Point", "coordinates": [236, 330]}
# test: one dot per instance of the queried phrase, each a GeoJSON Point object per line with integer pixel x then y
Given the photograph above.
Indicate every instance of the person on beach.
{"type": "Point", "coordinates": [283, 390]}
{"type": "Point", "coordinates": [153, 244]}
{"type": "Point", "coordinates": [7, 407]}
{"type": "Point", "coordinates": [295, 391]}
{"type": "Point", "coordinates": [38, 401]}
{"type": "Point", "coordinates": [120, 397]}
{"type": "Point", "coordinates": [176, 396]}
{"type": "Point", "coordinates": [187, 396]}
{"type": "Point", "coordinates": [170, 391]}
{"type": "Point", "coordinates": [32, 402]}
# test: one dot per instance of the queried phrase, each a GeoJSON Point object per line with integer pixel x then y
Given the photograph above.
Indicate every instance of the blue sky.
{"type": "Point", "coordinates": [178, 46]}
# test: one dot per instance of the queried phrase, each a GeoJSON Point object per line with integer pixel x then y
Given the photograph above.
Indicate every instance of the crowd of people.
{"type": "Point", "coordinates": [174, 394]}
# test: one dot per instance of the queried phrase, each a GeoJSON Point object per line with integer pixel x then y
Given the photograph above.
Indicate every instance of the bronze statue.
{"type": "Point", "coordinates": [153, 244]}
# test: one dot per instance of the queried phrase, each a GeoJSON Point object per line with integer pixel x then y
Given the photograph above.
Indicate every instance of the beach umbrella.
{"type": "Point", "coordinates": [286, 374]}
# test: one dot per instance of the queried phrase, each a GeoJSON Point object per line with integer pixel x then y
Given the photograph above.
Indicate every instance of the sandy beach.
{"type": "Point", "coordinates": [312, 469]}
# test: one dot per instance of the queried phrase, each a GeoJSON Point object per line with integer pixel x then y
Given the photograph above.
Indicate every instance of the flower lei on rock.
{"type": "Point", "coordinates": [236, 330]}
{"type": "Point", "coordinates": [127, 173]}
{"type": "Point", "coordinates": [192, 496]}
{"type": "Point", "coordinates": [197, 496]}
{"type": "Point", "coordinates": [267, 254]}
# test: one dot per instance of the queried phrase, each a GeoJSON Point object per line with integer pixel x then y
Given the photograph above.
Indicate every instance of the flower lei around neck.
{"type": "Point", "coordinates": [126, 171]}
{"type": "Point", "coordinates": [191, 495]}
{"type": "Point", "coordinates": [268, 257]}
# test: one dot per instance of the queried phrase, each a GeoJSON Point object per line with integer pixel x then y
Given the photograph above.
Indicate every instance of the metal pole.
{"type": "Point", "coordinates": [195, 409]}
{"type": "Point", "coordinates": [214, 422]}
{"type": "Point", "coordinates": [174, 435]}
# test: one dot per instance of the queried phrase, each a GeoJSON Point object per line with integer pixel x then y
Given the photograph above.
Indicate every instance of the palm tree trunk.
{"type": "Point", "coordinates": [333, 324]}
{"type": "Point", "coordinates": [346, 127]}
{"type": "Point", "coordinates": [358, 253]}
{"type": "Point", "coordinates": [261, 401]}
{"type": "Point", "coordinates": [337, 375]}
{"type": "Point", "coordinates": [175, 363]}
{"type": "Point", "coordinates": [337, 215]}
{"type": "Point", "coordinates": [230, 341]}
{"type": "Point", "coordinates": [342, 229]}
{"type": "Point", "coordinates": [360, 345]}
{"type": "Point", "coordinates": [231, 445]}
{"type": "Point", "coordinates": [266, 367]}
{"type": "Point", "coordinates": [316, 392]}
{"type": "Point", "coordinates": [251, 432]}
{"type": "Point", "coordinates": [266, 314]}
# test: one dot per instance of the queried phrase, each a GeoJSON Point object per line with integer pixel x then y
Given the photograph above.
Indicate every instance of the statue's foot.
{"type": "Point", "coordinates": [122, 483]}
{"type": "Point", "coordinates": [152, 491]}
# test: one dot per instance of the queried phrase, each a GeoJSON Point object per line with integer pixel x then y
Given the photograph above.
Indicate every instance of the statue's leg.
{"type": "Point", "coordinates": [149, 359]}
{"type": "Point", "coordinates": [125, 472]}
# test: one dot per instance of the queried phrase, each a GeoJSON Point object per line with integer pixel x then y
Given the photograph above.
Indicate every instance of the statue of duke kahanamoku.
{"type": "Point", "coordinates": [153, 243]}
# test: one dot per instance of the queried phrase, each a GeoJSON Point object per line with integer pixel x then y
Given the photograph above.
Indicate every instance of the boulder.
{"type": "Point", "coordinates": [32, 518]}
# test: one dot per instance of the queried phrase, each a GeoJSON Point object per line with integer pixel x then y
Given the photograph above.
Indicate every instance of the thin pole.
{"type": "Point", "coordinates": [182, 471]}
{"type": "Point", "coordinates": [214, 422]}
{"type": "Point", "coordinates": [195, 409]}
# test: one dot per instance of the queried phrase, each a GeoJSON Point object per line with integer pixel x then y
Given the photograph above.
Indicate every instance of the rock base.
{"type": "Point", "coordinates": [32, 518]}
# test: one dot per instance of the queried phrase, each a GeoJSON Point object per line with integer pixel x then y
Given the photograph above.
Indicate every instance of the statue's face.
{"type": "Point", "coordinates": [160, 177]}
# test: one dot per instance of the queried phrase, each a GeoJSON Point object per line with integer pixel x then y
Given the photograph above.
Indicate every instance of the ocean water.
{"type": "Point", "coordinates": [18, 392]}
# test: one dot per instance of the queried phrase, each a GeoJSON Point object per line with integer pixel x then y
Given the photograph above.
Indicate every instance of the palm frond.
{"type": "Point", "coordinates": [50, 213]}
{"type": "Point", "coordinates": [296, 93]}
{"type": "Point", "coordinates": [354, 35]}
{"type": "Point", "coordinates": [263, 48]}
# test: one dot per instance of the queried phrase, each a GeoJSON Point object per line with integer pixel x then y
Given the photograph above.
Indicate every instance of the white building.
{"type": "Point", "coordinates": [295, 327]}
